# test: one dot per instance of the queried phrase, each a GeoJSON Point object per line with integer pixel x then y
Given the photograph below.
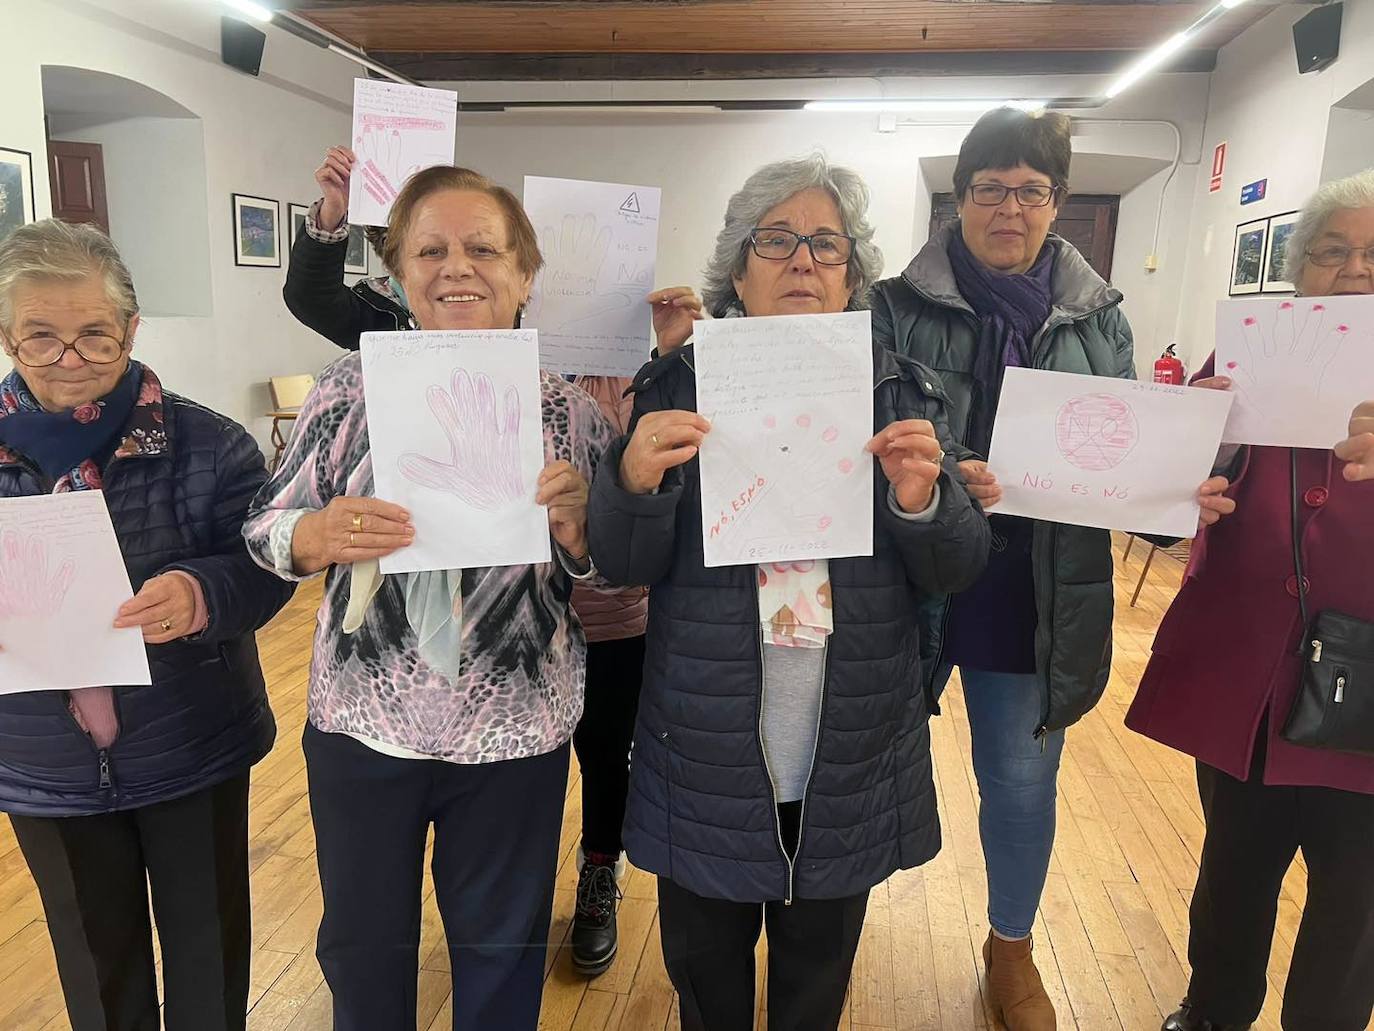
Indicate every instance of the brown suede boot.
{"type": "Point", "coordinates": [1014, 988]}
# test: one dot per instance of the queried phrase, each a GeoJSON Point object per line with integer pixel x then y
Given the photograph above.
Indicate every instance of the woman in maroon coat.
{"type": "Point", "coordinates": [1223, 677]}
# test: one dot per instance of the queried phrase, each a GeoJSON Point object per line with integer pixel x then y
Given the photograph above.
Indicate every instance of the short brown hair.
{"type": "Point", "coordinates": [523, 240]}
{"type": "Point", "coordinates": [1007, 137]}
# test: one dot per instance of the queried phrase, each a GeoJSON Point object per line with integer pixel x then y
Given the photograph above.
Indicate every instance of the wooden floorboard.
{"type": "Point", "coordinates": [1111, 937]}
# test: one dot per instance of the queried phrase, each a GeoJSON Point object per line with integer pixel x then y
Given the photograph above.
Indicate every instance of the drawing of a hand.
{"type": "Point", "coordinates": [574, 256]}
{"type": "Point", "coordinates": [27, 587]}
{"type": "Point", "coordinates": [484, 444]}
{"type": "Point", "coordinates": [1292, 353]}
{"type": "Point", "coordinates": [380, 152]}
{"type": "Point", "coordinates": [807, 459]}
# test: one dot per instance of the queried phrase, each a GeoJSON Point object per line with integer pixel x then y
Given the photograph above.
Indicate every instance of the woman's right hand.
{"type": "Point", "coordinates": [1213, 383]}
{"type": "Point", "coordinates": [333, 177]}
{"type": "Point", "coordinates": [349, 530]}
{"type": "Point", "coordinates": [661, 441]}
{"type": "Point", "coordinates": [981, 483]}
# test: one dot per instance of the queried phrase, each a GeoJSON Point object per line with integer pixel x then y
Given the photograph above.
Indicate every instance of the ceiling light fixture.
{"type": "Point", "coordinates": [255, 11]}
{"type": "Point", "coordinates": [1168, 49]}
{"type": "Point", "coordinates": [930, 105]}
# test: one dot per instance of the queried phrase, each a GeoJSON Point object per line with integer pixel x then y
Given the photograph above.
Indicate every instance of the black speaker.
{"type": "Point", "coordinates": [1317, 38]}
{"type": "Point", "coordinates": [240, 45]}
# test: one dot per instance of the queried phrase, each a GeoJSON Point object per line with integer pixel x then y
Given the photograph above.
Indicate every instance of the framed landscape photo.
{"type": "Point", "coordinates": [1247, 263]}
{"type": "Point", "coordinates": [1276, 252]}
{"type": "Point", "coordinates": [16, 190]}
{"type": "Point", "coordinates": [355, 261]}
{"type": "Point", "coordinates": [257, 231]}
{"type": "Point", "coordinates": [296, 223]}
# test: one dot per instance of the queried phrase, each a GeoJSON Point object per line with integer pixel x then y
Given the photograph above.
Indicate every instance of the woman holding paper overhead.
{"type": "Point", "coordinates": [1237, 651]}
{"type": "Point", "coordinates": [1032, 639]}
{"type": "Point", "coordinates": [113, 791]}
{"type": "Point", "coordinates": [613, 620]}
{"type": "Point", "coordinates": [444, 698]}
{"type": "Point", "coordinates": [781, 765]}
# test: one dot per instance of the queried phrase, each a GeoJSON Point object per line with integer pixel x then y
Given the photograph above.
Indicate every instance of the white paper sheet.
{"type": "Point", "coordinates": [1298, 365]}
{"type": "Point", "coordinates": [397, 131]}
{"type": "Point", "coordinates": [455, 424]}
{"type": "Point", "coordinates": [1112, 453]}
{"type": "Point", "coordinates": [784, 473]}
{"type": "Point", "coordinates": [600, 243]}
{"type": "Point", "coordinates": [62, 581]}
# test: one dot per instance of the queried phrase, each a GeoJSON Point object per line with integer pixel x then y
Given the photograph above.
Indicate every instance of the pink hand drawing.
{"type": "Point", "coordinates": [380, 152]}
{"type": "Point", "coordinates": [1096, 431]}
{"type": "Point", "coordinates": [484, 444]}
{"type": "Point", "coordinates": [26, 587]}
{"type": "Point", "coordinates": [574, 257]}
{"type": "Point", "coordinates": [806, 456]}
{"type": "Point", "coordinates": [1292, 352]}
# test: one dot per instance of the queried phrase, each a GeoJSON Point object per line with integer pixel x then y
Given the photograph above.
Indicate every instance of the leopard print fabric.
{"type": "Point", "coordinates": [524, 656]}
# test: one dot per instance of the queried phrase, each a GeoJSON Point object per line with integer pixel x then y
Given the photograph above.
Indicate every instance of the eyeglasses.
{"type": "Point", "coordinates": [43, 348]}
{"type": "Point", "coordinates": [990, 195]}
{"type": "Point", "coordinates": [781, 244]}
{"type": "Point", "coordinates": [1335, 255]}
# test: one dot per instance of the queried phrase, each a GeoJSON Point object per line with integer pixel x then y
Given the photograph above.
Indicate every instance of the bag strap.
{"type": "Point", "coordinates": [1297, 548]}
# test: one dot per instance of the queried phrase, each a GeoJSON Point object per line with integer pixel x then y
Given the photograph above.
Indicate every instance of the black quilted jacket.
{"type": "Point", "coordinates": [205, 718]}
{"type": "Point", "coordinates": [701, 808]}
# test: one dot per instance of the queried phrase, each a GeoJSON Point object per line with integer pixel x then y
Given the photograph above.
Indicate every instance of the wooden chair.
{"type": "Point", "coordinates": [288, 394]}
{"type": "Point", "coordinates": [1179, 551]}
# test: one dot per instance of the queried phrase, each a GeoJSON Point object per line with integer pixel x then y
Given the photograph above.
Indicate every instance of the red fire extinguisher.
{"type": "Point", "coordinates": [1168, 369]}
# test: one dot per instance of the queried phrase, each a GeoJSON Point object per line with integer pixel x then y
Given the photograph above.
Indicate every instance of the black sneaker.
{"type": "Point", "coordinates": [594, 932]}
{"type": "Point", "coordinates": [1186, 1018]}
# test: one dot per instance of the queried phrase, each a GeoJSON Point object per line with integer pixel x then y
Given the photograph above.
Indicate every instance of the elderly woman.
{"type": "Point", "coordinates": [613, 620]}
{"type": "Point", "coordinates": [116, 790]}
{"type": "Point", "coordinates": [781, 764]}
{"type": "Point", "coordinates": [1223, 678]}
{"type": "Point", "coordinates": [1032, 639]}
{"type": "Point", "coordinates": [400, 735]}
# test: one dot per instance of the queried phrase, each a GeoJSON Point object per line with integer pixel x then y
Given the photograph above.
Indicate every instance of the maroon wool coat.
{"type": "Point", "coordinates": [1227, 650]}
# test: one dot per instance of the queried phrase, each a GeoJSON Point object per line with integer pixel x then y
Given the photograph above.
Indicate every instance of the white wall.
{"type": "Point", "coordinates": [262, 136]}
{"type": "Point", "coordinates": [1349, 143]}
{"type": "Point", "coordinates": [1275, 123]}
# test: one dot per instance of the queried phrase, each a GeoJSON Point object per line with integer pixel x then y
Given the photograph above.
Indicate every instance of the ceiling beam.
{"type": "Point", "coordinates": [428, 67]}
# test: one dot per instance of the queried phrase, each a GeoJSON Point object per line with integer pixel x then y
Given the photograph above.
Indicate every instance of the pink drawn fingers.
{"type": "Point", "coordinates": [1255, 345]}
{"type": "Point", "coordinates": [1285, 336]}
{"type": "Point", "coordinates": [1310, 336]}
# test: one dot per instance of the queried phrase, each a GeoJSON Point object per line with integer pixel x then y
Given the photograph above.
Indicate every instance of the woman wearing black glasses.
{"type": "Point", "coordinates": [118, 793]}
{"type": "Point", "coordinates": [1032, 639]}
{"type": "Point", "coordinates": [781, 763]}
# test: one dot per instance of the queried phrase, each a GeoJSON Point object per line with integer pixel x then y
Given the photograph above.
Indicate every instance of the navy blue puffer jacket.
{"type": "Point", "coordinates": [701, 809]}
{"type": "Point", "coordinates": [205, 718]}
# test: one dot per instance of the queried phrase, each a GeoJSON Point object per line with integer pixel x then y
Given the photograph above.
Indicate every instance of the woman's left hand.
{"type": "Point", "coordinates": [910, 455]}
{"type": "Point", "coordinates": [164, 607]}
{"type": "Point", "coordinates": [1211, 500]}
{"type": "Point", "coordinates": [564, 490]}
{"type": "Point", "coordinates": [1357, 450]}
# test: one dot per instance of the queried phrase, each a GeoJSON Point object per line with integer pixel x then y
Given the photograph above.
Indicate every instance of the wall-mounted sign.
{"type": "Point", "coordinates": [1251, 192]}
{"type": "Point", "coordinates": [1218, 166]}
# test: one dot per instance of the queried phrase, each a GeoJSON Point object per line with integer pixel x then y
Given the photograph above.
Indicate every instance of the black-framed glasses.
{"type": "Point", "coordinates": [781, 244]}
{"type": "Point", "coordinates": [1033, 195]}
{"type": "Point", "coordinates": [39, 350]}
{"type": "Point", "coordinates": [1334, 255]}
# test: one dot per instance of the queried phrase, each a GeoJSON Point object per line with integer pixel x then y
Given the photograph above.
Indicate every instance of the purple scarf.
{"type": "Point", "coordinates": [1010, 309]}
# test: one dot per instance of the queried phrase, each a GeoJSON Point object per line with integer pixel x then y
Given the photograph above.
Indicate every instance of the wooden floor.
{"type": "Point", "coordinates": [1111, 939]}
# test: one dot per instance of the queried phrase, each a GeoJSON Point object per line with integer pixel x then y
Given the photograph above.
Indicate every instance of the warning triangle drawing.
{"type": "Point", "coordinates": [631, 204]}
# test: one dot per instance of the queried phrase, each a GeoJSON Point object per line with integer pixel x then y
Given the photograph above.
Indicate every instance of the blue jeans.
{"type": "Point", "coordinates": [1017, 785]}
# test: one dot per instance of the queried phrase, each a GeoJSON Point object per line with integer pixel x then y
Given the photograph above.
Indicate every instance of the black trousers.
{"type": "Point", "coordinates": [708, 948]}
{"type": "Point", "coordinates": [615, 671]}
{"type": "Point", "coordinates": [1253, 831]}
{"type": "Point", "coordinates": [496, 831]}
{"type": "Point", "coordinates": [93, 875]}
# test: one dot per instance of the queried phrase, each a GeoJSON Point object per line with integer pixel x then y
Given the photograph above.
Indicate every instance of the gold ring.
{"type": "Point", "coordinates": [653, 439]}
{"type": "Point", "coordinates": [358, 521]}
{"type": "Point", "coordinates": [350, 538]}
{"type": "Point", "coordinates": [166, 625]}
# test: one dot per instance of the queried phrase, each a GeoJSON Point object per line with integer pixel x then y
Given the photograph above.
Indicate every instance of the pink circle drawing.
{"type": "Point", "coordinates": [1096, 431]}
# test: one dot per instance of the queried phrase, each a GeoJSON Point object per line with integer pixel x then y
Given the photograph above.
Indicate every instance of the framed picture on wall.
{"type": "Point", "coordinates": [296, 225]}
{"type": "Point", "coordinates": [16, 190]}
{"type": "Point", "coordinates": [1276, 252]}
{"type": "Point", "coordinates": [1247, 263]}
{"type": "Point", "coordinates": [355, 261]}
{"type": "Point", "coordinates": [257, 232]}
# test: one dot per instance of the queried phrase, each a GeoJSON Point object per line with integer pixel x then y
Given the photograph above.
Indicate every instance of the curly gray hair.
{"type": "Point", "coordinates": [52, 249]}
{"type": "Point", "coordinates": [1354, 191]}
{"type": "Point", "coordinates": [766, 189]}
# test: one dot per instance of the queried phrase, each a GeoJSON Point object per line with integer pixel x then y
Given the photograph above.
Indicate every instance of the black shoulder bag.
{"type": "Point", "coordinates": [1334, 708]}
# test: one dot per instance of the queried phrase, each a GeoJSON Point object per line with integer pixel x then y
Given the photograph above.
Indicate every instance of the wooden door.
{"type": "Point", "coordinates": [76, 173]}
{"type": "Point", "coordinates": [1088, 221]}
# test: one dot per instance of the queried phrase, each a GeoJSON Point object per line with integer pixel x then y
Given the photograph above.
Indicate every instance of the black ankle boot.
{"type": "Point", "coordinates": [594, 939]}
{"type": "Point", "coordinates": [1186, 1018]}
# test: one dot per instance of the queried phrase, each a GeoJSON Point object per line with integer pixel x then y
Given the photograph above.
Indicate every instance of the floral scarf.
{"type": "Point", "coordinates": [795, 605]}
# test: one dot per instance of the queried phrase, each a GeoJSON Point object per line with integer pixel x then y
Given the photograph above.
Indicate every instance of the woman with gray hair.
{"type": "Point", "coordinates": [781, 764]}
{"type": "Point", "coordinates": [1224, 678]}
{"type": "Point", "coordinates": [116, 790]}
